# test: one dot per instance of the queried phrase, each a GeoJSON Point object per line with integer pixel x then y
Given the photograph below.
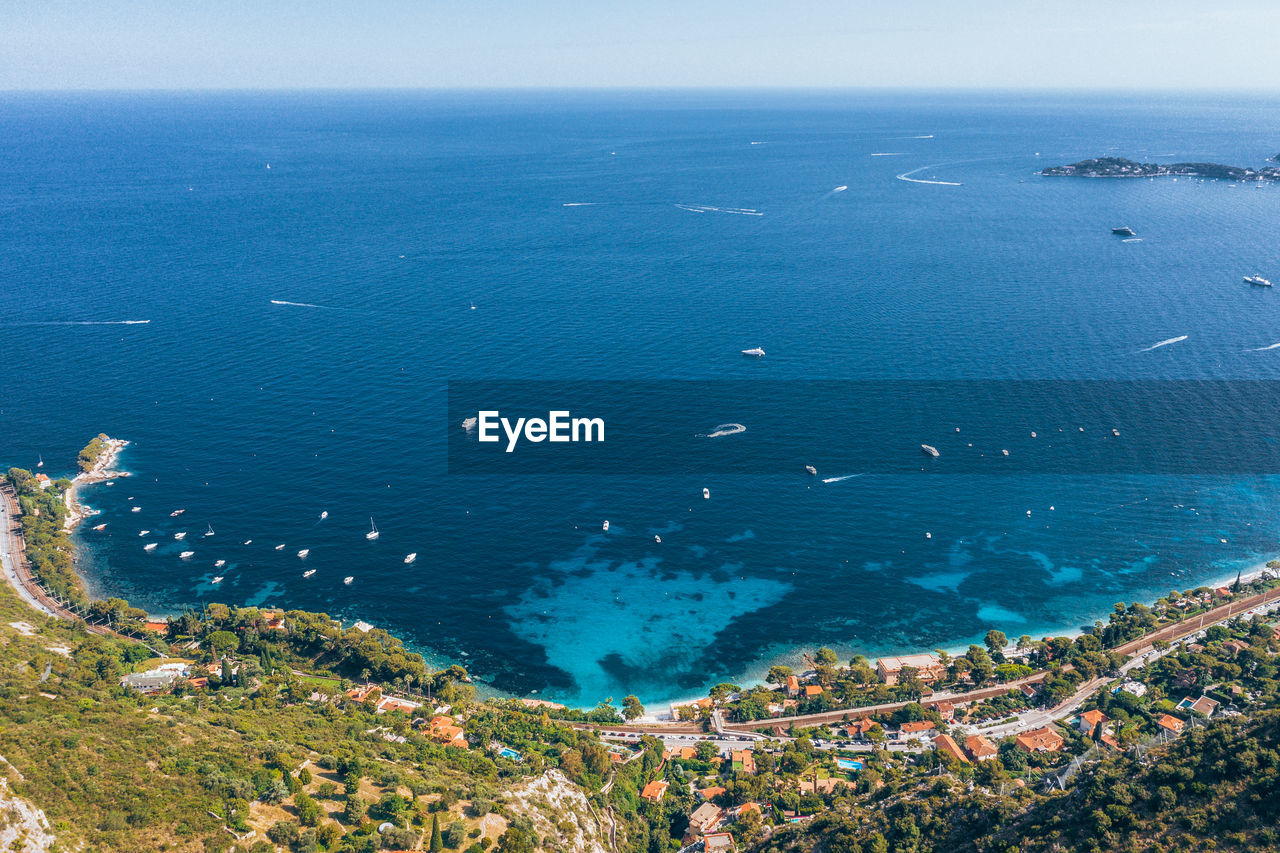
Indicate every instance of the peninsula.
{"type": "Point", "coordinates": [1119, 167]}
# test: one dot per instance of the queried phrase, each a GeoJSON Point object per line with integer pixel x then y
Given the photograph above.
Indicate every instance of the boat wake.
{"type": "Point", "coordinates": [723, 430]}
{"type": "Point", "coordinates": [840, 479]}
{"type": "Point", "coordinates": [81, 323]}
{"type": "Point", "coordinates": [906, 176]}
{"type": "Point", "coordinates": [297, 304]}
{"type": "Point", "coordinates": [1178, 339]}
{"type": "Point", "coordinates": [706, 208]}
{"type": "Point", "coordinates": [1264, 349]}
{"type": "Point", "coordinates": [1131, 240]}
{"type": "Point", "coordinates": [888, 154]}
{"type": "Point", "coordinates": [580, 204]}
{"type": "Point", "coordinates": [840, 188]}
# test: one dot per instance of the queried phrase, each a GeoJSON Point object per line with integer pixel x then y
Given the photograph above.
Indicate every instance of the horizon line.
{"type": "Point", "coordinates": [638, 89]}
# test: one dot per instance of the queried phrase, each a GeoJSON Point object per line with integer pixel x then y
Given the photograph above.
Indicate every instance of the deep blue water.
{"type": "Point", "coordinates": [566, 220]}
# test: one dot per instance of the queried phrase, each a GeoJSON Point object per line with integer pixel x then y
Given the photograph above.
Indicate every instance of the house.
{"type": "Point", "coordinates": [921, 728]}
{"type": "Point", "coordinates": [155, 681]}
{"type": "Point", "coordinates": [747, 807]}
{"type": "Point", "coordinates": [947, 745]}
{"type": "Point", "coordinates": [946, 709]}
{"type": "Point", "coordinates": [360, 694]}
{"type": "Point", "coordinates": [743, 762]}
{"type": "Point", "coordinates": [705, 818]}
{"type": "Point", "coordinates": [654, 791]}
{"type": "Point", "coordinates": [391, 703]}
{"type": "Point", "coordinates": [814, 785]}
{"type": "Point", "coordinates": [684, 753]}
{"type": "Point", "coordinates": [928, 668]}
{"type": "Point", "coordinates": [718, 842]}
{"type": "Point", "coordinates": [1137, 688]}
{"type": "Point", "coordinates": [1111, 742]}
{"type": "Point", "coordinates": [1089, 720]}
{"type": "Point", "coordinates": [444, 730]}
{"type": "Point", "coordinates": [1223, 592]}
{"type": "Point", "coordinates": [198, 683]}
{"type": "Point", "coordinates": [812, 690]}
{"type": "Point", "coordinates": [1171, 724]}
{"type": "Point", "coordinates": [859, 729]}
{"type": "Point", "coordinates": [1031, 691]}
{"type": "Point", "coordinates": [276, 623]}
{"type": "Point", "coordinates": [793, 686]}
{"type": "Point", "coordinates": [1204, 705]}
{"type": "Point", "coordinates": [542, 703]}
{"type": "Point", "coordinates": [711, 793]}
{"type": "Point", "coordinates": [979, 748]}
{"type": "Point", "coordinates": [1039, 740]}
{"type": "Point", "coordinates": [1235, 646]}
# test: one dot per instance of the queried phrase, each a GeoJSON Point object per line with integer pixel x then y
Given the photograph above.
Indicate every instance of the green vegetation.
{"type": "Point", "coordinates": [93, 451]}
{"type": "Point", "coordinates": [49, 548]}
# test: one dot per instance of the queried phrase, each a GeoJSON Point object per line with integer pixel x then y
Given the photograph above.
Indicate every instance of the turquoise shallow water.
{"type": "Point", "coordinates": [602, 239]}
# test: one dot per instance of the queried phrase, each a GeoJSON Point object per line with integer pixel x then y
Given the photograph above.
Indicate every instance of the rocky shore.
{"type": "Point", "coordinates": [102, 468]}
{"type": "Point", "coordinates": [1119, 167]}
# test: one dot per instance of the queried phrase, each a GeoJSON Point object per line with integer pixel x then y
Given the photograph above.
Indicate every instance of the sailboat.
{"type": "Point", "coordinates": [209, 532]}
{"type": "Point", "coordinates": [372, 534]}
{"type": "Point", "coordinates": [409, 558]}
{"type": "Point", "coordinates": [40, 463]}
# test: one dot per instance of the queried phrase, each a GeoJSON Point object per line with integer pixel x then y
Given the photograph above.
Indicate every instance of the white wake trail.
{"type": "Point", "coordinates": [840, 479]}
{"type": "Point", "coordinates": [1165, 343]}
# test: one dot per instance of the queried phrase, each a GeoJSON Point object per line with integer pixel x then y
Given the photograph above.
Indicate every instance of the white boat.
{"type": "Point", "coordinates": [928, 535]}
{"type": "Point", "coordinates": [143, 532]}
{"type": "Point", "coordinates": [605, 526]}
{"type": "Point", "coordinates": [135, 509]}
{"type": "Point", "coordinates": [1005, 452]}
{"type": "Point", "coordinates": [930, 449]}
{"type": "Point", "coordinates": [308, 573]}
{"type": "Point", "coordinates": [247, 542]}
{"type": "Point", "coordinates": [756, 351]}
{"type": "Point", "coordinates": [303, 553]}
{"type": "Point", "coordinates": [811, 470]}
{"type": "Point", "coordinates": [706, 494]}
{"type": "Point", "coordinates": [219, 564]}
{"type": "Point", "coordinates": [348, 579]}
{"type": "Point", "coordinates": [218, 579]}
{"type": "Point", "coordinates": [150, 546]}
{"type": "Point", "coordinates": [1116, 433]}
{"type": "Point", "coordinates": [324, 514]}
{"type": "Point", "coordinates": [1257, 280]}
{"type": "Point", "coordinates": [372, 534]}
{"type": "Point", "coordinates": [409, 558]}
{"type": "Point", "coordinates": [176, 513]}
{"type": "Point", "coordinates": [280, 547]}
{"type": "Point", "coordinates": [209, 532]}
{"type": "Point", "coordinates": [40, 463]}
{"type": "Point", "coordinates": [180, 536]}
{"type": "Point", "coordinates": [469, 424]}
{"type": "Point", "coordinates": [657, 539]}
{"type": "Point", "coordinates": [187, 555]}
{"type": "Point", "coordinates": [99, 526]}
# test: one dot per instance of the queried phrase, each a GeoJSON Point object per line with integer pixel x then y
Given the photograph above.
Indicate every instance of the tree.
{"type": "Point", "coordinates": [996, 642]}
{"type": "Point", "coordinates": [518, 839]}
{"type": "Point", "coordinates": [723, 690]}
{"type": "Point", "coordinates": [779, 674]}
{"type": "Point", "coordinates": [308, 809]}
{"type": "Point", "coordinates": [220, 642]}
{"type": "Point", "coordinates": [437, 843]}
{"type": "Point", "coordinates": [826, 657]}
{"type": "Point", "coordinates": [353, 811]}
{"type": "Point", "coordinates": [631, 708]}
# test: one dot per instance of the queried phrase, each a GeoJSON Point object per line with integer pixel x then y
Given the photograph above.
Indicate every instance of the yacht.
{"type": "Point", "coordinates": [930, 450]}
{"type": "Point", "coordinates": [308, 573]}
{"type": "Point", "coordinates": [219, 564]}
{"type": "Point", "coordinates": [657, 539]}
{"type": "Point", "coordinates": [756, 351]}
{"type": "Point", "coordinates": [135, 509]}
{"type": "Point", "coordinates": [409, 558]}
{"type": "Point", "coordinates": [469, 424]}
{"type": "Point", "coordinates": [180, 536]}
{"type": "Point", "coordinates": [143, 532]}
{"type": "Point", "coordinates": [280, 547]}
{"type": "Point", "coordinates": [1257, 280]}
{"type": "Point", "coordinates": [99, 526]}
{"type": "Point", "coordinates": [218, 579]}
{"type": "Point", "coordinates": [605, 526]}
{"type": "Point", "coordinates": [247, 542]}
{"type": "Point", "coordinates": [303, 553]}
{"type": "Point", "coordinates": [373, 533]}
{"type": "Point", "coordinates": [150, 546]}
{"type": "Point", "coordinates": [187, 555]}
{"type": "Point", "coordinates": [1116, 433]}
{"type": "Point", "coordinates": [706, 493]}
{"type": "Point", "coordinates": [348, 579]}
{"type": "Point", "coordinates": [176, 513]}
{"type": "Point", "coordinates": [1124, 231]}
{"type": "Point", "coordinates": [811, 470]}
{"type": "Point", "coordinates": [324, 514]}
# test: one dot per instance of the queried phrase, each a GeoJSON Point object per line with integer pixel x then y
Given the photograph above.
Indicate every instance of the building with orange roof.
{"type": "Point", "coordinates": [1089, 721]}
{"type": "Point", "coordinates": [360, 694]}
{"type": "Point", "coordinates": [793, 685]}
{"type": "Point", "coordinates": [1171, 724]}
{"type": "Point", "coordinates": [919, 727]}
{"type": "Point", "coordinates": [744, 761]}
{"type": "Point", "coordinates": [979, 748]}
{"type": "Point", "coordinates": [927, 667]}
{"type": "Point", "coordinates": [655, 790]}
{"type": "Point", "coordinates": [718, 842]}
{"type": "Point", "coordinates": [1039, 740]}
{"type": "Point", "coordinates": [711, 793]}
{"type": "Point", "coordinates": [444, 730]}
{"type": "Point", "coordinates": [947, 745]}
{"type": "Point", "coordinates": [811, 690]}
{"type": "Point", "coordinates": [684, 753]}
{"type": "Point", "coordinates": [946, 709]}
{"type": "Point", "coordinates": [392, 703]}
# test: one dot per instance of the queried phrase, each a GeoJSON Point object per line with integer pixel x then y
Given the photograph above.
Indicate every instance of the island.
{"type": "Point", "coordinates": [1119, 167]}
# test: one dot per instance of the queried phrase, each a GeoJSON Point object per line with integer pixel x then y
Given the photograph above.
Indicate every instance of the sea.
{"type": "Point", "coordinates": [275, 296]}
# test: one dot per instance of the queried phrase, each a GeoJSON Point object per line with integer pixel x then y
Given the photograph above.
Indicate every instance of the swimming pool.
{"type": "Point", "coordinates": [848, 764]}
{"type": "Point", "coordinates": [508, 752]}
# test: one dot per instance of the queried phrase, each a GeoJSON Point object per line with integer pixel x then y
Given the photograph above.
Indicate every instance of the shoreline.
{"type": "Point", "coordinates": [752, 672]}
{"type": "Point", "coordinates": [103, 469]}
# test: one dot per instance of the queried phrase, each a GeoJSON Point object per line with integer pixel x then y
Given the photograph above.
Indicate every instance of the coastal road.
{"type": "Point", "coordinates": [11, 552]}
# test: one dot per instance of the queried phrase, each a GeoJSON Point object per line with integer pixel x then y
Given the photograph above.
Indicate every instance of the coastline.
{"type": "Point", "coordinates": [103, 469]}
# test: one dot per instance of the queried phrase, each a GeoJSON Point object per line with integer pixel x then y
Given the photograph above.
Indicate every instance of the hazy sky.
{"type": "Point", "coordinates": [61, 44]}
